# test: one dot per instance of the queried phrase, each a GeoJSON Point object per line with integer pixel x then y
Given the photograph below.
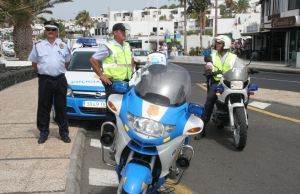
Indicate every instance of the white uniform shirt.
{"type": "Point", "coordinates": [50, 58]}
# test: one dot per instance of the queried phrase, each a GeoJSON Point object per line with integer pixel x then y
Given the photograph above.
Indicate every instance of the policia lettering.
{"type": "Point", "coordinates": [118, 64]}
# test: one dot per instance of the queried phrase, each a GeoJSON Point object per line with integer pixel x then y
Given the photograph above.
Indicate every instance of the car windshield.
{"type": "Point", "coordinates": [140, 53]}
{"type": "Point", "coordinates": [164, 85]}
{"type": "Point", "coordinates": [80, 61]}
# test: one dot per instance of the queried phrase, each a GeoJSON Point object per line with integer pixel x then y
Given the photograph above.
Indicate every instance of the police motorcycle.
{"type": "Point", "coordinates": [149, 142]}
{"type": "Point", "coordinates": [233, 94]}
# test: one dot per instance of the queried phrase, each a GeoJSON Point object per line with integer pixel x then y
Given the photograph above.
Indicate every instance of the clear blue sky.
{"type": "Point", "coordinates": [97, 7]}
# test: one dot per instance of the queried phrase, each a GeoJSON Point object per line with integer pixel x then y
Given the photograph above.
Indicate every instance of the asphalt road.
{"type": "Point", "coordinates": [268, 164]}
{"type": "Point", "coordinates": [268, 80]}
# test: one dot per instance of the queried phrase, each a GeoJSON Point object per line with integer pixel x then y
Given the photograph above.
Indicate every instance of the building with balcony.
{"type": "Point", "coordinates": [279, 38]}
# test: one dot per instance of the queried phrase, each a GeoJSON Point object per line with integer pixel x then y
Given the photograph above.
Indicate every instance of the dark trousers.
{"type": "Point", "coordinates": [210, 101]}
{"type": "Point", "coordinates": [52, 90]}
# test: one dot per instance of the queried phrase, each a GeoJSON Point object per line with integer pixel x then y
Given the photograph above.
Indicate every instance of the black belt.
{"type": "Point", "coordinates": [41, 76]}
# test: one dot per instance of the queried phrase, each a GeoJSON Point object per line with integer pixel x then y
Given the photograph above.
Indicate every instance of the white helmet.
{"type": "Point", "coordinates": [156, 58]}
{"type": "Point", "coordinates": [225, 40]}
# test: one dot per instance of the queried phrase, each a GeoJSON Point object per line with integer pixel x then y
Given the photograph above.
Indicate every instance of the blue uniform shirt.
{"type": "Point", "coordinates": [50, 58]}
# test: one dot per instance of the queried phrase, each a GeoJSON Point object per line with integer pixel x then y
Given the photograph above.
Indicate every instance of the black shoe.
{"type": "Point", "coordinates": [42, 139]}
{"type": "Point", "coordinates": [66, 139]}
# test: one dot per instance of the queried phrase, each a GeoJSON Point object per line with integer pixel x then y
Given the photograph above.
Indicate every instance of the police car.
{"type": "Point", "coordinates": [86, 97]}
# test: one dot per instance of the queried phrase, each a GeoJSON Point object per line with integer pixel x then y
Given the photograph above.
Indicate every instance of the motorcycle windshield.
{"type": "Point", "coordinates": [165, 85]}
{"type": "Point", "coordinates": [239, 71]}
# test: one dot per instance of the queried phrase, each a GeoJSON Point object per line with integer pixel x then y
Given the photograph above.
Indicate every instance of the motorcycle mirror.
{"type": "Point", "coordinates": [120, 87]}
{"type": "Point", "coordinates": [195, 109]}
{"type": "Point", "coordinates": [254, 56]}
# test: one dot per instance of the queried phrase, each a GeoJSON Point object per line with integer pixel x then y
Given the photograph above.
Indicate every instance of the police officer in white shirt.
{"type": "Point", "coordinates": [50, 58]}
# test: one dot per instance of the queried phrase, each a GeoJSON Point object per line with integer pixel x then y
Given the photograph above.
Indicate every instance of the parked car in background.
{"type": "Point", "coordinates": [86, 97]}
{"type": "Point", "coordinates": [140, 57]}
{"type": "Point", "coordinates": [8, 49]}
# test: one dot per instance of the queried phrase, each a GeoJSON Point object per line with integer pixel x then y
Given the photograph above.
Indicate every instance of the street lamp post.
{"type": "Point", "coordinates": [216, 18]}
{"type": "Point", "coordinates": [157, 35]}
{"type": "Point", "coordinates": [184, 29]}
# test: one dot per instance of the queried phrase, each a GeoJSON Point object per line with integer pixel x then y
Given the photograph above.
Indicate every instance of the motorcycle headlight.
{"type": "Point", "coordinates": [148, 127]}
{"type": "Point", "coordinates": [69, 92]}
{"type": "Point", "coordinates": [236, 85]}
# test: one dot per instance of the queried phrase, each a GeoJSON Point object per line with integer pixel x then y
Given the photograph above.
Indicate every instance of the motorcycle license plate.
{"type": "Point", "coordinates": [236, 85]}
{"type": "Point", "coordinates": [94, 104]}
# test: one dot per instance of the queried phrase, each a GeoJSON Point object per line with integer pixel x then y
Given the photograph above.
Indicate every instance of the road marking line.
{"type": "Point", "coordinates": [260, 105]}
{"type": "Point", "coordinates": [263, 111]}
{"type": "Point", "coordinates": [276, 80]}
{"type": "Point", "coordinates": [102, 177]}
{"type": "Point", "coordinates": [180, 188]}
{"type": "Point", "coordinates": [97, 144]}
{"type": "Point", "coordinates": [275, 115]}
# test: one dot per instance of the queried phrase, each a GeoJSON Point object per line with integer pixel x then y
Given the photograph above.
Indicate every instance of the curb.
{"type": "Point", "coordinates": [74, 171]}
{"type": "Point", "coordinates": [289, 71]}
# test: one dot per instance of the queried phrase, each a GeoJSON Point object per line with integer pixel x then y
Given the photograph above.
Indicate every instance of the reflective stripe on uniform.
{"type": "Point", "coordinates": [115, 65]}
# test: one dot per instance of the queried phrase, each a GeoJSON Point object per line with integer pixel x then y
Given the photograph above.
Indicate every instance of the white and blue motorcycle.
{"type": "Point", "coordinates": [149, 142]}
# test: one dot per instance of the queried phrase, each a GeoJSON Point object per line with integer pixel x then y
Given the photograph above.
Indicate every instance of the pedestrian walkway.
{"type": "Point", "coordinates": [271, 66]}
{"type": "Point", "coordinates": [26, 166]}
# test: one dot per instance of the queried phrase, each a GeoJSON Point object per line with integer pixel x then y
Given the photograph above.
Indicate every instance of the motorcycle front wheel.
{"type": "Point", "coordinates": [240, 128]}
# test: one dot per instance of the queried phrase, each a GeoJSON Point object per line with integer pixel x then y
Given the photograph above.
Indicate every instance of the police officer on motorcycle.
{"type": "Point", "coordinates": [221, 61]}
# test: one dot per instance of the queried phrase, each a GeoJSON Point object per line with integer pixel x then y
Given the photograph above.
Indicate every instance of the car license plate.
{"type": "Point", "coordinates": [94, 104]}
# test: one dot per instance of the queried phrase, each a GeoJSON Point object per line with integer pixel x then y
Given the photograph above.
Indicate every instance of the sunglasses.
{"type": "Point", "coordinates": [51, 29]}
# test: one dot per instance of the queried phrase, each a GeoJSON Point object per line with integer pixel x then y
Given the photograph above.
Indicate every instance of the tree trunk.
{"type": "Point", "coordinates": [22, 37]}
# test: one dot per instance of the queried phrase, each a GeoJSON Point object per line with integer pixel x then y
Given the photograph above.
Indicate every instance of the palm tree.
{"type": "Point", "coordinates": [200, 7]}
{"type": "Point", "coordinates": [231, 5]}
{"type": "Point", "coordinates": [83, 19]}
{"type": "Point", "coordinates": [242, 6]}
{"type": "Point", "coordinates": [20, 14]}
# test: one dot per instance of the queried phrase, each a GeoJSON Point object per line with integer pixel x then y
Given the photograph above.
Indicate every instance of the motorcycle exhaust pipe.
{"type": "Point", "coordinates": [185, 156]}
{"type": "Point", "coordinates": [108, 133]}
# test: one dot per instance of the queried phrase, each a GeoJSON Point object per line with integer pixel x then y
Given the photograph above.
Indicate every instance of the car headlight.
{"type": "Point", "coordinates": [69, 92]}
{"type": "Point", "coordinates": [148, 127]}
{"type": "Point", "coordinates": [236, 85]}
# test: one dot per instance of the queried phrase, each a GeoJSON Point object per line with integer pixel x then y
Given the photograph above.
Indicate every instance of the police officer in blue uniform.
{"type": "Point", "coordinates": [50, 58]}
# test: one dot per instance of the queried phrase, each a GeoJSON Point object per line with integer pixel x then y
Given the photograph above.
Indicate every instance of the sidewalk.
{"type": "Point", "coordinates": [258, 65]}
{"type": "Point", "coordinates": [26, 166]}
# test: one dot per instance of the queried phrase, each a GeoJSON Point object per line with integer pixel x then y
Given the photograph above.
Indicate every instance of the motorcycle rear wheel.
{"type": "Point", "coordinates": [240, 128]}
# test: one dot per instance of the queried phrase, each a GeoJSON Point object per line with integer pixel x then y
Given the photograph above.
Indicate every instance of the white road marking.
{"type": "Point", "coordinates": [102, 177]}
{"type": "Point", "coordinates": [97, 144]}
{"type": "Point", "coordinates": [279, 80]}
{"type": "Point", "coordinates": [260, 105]}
